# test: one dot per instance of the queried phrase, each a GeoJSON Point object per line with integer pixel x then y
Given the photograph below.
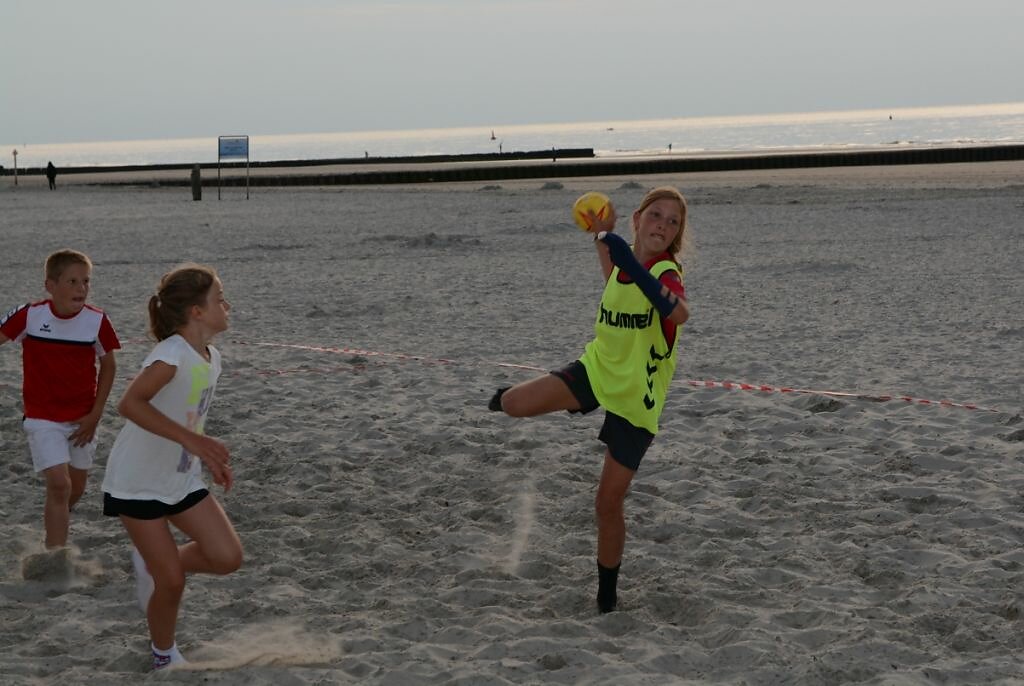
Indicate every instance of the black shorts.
{"type": "Point", "coordinates": [575, 377]}
{"type": "Point", "coordinates": [150, 509]}
{"type": "Point", "coordinates": [627, 444]}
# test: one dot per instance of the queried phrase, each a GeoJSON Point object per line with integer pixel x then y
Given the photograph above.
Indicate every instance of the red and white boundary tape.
{"type": "Point", "coordinates": [730, 385]}
{"type": "Point", "coordinates": [727, 385]}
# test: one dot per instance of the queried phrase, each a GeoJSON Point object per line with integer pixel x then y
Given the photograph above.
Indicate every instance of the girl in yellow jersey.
{"type": "Point", "coordinates": [627, 367]}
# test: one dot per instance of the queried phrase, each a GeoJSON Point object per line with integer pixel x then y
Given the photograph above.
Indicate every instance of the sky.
{"type": "Point", "coordinates": [103, 70]}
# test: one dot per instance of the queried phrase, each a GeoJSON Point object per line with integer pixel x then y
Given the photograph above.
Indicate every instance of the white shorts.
{"type": "Point", "coordinates": [50, 445]}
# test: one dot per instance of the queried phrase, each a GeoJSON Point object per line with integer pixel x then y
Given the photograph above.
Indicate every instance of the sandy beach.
{"type": "Point", "coordinates": [397, 532]}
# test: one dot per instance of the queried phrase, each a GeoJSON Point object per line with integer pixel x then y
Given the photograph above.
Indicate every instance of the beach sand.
{"type": "Point", "coordinates": [397, 532]}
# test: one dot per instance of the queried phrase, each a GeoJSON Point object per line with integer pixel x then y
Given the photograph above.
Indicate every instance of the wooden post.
{"type": "Point", "coordinates": [197, 183]}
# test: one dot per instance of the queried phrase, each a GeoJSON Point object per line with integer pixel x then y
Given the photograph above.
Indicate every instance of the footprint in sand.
{"type": "Point", "coordinates": [60, 565]}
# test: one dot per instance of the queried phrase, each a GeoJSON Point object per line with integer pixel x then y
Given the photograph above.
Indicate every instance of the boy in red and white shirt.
{"type": "Point", "coordinates": [64, 397]}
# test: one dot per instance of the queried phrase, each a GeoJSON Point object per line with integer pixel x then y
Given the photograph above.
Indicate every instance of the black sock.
{"type": "Point", "coordinates": [495, 404]}
{"type": "Point", "coordinates": [607, 580]}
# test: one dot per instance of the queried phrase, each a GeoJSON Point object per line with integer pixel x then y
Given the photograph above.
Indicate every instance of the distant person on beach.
{"type": "Point", "coordinates": [153, 476]}
{"type": "Point", "coordinates": [63, 394]}
{"type": "Point", "coordinates": [51, 175]}
{"type": "Point", "coordinates": [627, 367]}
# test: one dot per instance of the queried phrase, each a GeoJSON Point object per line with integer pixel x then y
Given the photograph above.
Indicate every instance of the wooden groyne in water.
{"type": "Point", "coordinates": [576, 162]}
{"type": "Point", "coordinates": [552, 154]}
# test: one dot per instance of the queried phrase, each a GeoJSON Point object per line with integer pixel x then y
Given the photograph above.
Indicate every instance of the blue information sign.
{"type": "Point", "coordinates": [233, 146]}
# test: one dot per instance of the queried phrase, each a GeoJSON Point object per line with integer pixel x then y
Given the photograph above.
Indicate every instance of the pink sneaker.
{"type": "Point", "coordinates": [162, 660]}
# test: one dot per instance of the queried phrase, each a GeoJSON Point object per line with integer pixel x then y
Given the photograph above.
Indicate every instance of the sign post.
{"type": "Point", "coordinates": [15, 153]}
{"type": "Point", "coordinates": [233, 148]}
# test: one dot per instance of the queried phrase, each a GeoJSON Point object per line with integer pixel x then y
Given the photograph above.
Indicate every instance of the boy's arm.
{"type": "Point", "coordinates": [13, 323]}
{"type": "Point", "coordinates": [86, 430]}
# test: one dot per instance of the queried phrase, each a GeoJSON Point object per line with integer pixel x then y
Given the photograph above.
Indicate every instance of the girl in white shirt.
{"type": "Point", "coordinates": [154, 476]}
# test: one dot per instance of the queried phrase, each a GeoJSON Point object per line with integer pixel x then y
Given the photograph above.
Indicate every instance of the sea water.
{"type": "Point", "coordinates": [932, 126]}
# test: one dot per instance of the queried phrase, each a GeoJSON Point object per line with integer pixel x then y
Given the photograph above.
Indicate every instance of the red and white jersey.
{"type": "Point", "coordinates": [59, 358]}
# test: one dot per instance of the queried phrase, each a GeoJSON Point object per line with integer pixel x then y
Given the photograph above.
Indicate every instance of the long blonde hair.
{"type": "Point", "coordinates": [682, 244]}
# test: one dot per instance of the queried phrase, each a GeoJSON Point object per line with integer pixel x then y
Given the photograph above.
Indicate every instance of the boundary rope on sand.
{"type": "Point", "coordinates": [694, 383]}
{"type": "Point", "coordinates": [727, 385]}
{"type": "Point", "coordinates": [730, 385]}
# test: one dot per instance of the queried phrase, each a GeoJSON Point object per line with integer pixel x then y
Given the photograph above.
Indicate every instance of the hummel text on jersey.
{"type": "Point", "coordinates": [626, 320]}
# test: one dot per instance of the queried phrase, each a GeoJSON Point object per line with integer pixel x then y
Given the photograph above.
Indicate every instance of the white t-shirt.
{"type": "Point", "coordinates": [144, 466]}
